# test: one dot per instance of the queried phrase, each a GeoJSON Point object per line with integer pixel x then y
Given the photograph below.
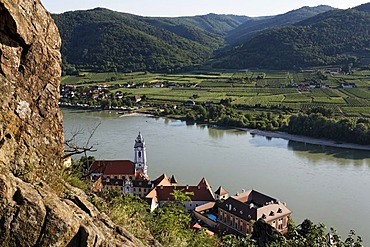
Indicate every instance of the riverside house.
{"type": "Point", "coordinates": [238, 213]}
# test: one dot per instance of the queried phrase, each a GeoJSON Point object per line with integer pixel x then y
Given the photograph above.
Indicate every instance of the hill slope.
{"type": "Point", "coordinates": [255, 25]}
{"type": "Point", "coordinates": [208, 30]}
{"type": "Point", "coordinates": [335, 37]}
{"type": "Point", "coordinates": [104, 40]}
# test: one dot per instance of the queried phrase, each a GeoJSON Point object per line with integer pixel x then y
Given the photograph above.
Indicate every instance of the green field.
{"type": "Point", "coordinates": [274, 90]}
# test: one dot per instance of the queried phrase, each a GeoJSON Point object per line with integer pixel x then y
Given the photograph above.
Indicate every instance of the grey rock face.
{"type": "Point", "coordinates": [33, 210]}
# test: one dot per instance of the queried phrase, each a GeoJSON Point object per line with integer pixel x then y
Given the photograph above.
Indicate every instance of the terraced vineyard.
{"type": "Point", "coordinates": [277, 90]}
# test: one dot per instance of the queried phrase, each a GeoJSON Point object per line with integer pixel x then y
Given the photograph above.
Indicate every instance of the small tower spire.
{"type": "Point", "coordinates": [140, 155]}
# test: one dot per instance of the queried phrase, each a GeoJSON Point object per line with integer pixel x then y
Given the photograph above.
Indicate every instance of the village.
{"type": "Point", "coordinates": [217, 211]}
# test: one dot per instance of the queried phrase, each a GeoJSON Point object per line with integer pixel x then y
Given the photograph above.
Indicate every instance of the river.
{"type": "Point", "coordinates": [324, 184]}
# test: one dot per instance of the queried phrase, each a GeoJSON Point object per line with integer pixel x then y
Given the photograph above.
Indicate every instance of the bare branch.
{"type": "Point", "coordinates": [72, 148]}
{"type": "Point", "coordinates": [92, 132]}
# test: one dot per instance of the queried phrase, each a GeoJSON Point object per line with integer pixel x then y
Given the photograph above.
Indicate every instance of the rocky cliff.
{"type": "Point", "coordinates": [36, 207]}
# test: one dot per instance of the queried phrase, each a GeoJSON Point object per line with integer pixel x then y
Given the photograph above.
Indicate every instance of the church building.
{"type": "Point", "coordinates": [132, 176]}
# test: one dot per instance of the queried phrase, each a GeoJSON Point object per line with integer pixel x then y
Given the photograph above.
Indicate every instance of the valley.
{"type": "Point", "coordinates": [275, 91]}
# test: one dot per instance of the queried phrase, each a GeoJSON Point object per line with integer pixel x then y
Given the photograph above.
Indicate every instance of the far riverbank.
{"type": "Point", "coordinates": [273, 134]}
{"type": "Point", "coordinates": [305, 139]}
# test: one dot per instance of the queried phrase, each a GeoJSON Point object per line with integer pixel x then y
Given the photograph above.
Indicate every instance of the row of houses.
{"type": "Point", "coordinates": [70, 90]}
{"type": "Point", "coordinates": [216, 210]}
{"type": "Point", "coordinates": [96, 92]}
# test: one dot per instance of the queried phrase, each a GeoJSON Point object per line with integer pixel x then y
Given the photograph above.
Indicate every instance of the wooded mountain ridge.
{"type": "Point", "coordinates": [105, 40]}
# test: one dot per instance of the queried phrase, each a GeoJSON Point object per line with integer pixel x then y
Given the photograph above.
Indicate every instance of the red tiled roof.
{"type": "Point", "coordinates": [273, 211]}
{"type": "Point", "coordinates": [197, 227]}
{"type": "Point", "coordinates": [113, 167]}
{"type": "Point", "coordinates": [173, 180]}
{"type": "Point", "coordinates": [255, 197]}
{"type": "Point", "coordinates": [140, 175]}
{"type": "Point", "coordinates": [152, 195]}
{"type": "Point", "coordinates": [204, 183]}
{"type": "Point", "coordinates": [200, 193]}
{"type": "Point", "coordinates": [221, 191]}
{"type": "Point", "coordinates": [164, 189]}
{"type": "Point", "coordinates": [161, 178]}
{"type": "Point", "coordinates": [205, 207]}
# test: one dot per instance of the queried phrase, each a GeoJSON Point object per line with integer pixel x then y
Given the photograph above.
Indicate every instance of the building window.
{"type": "Point", "coordinates": [139, 154]}
{"type": "Point", "coordinates": [115, 177]}
{"type": "Point", "coordinates": [139, 189]}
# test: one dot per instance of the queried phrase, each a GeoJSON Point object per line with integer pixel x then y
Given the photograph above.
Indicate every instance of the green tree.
{"type": "Point", "coordinates": [105, 104]}
{"type": "Point", "coordinates": [181, 197]}
{"type": "Point", "coordinates": [84, 163]}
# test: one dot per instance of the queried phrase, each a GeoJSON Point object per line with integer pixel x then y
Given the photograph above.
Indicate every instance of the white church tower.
{"type": "Point", "coordinates": [140, 155]}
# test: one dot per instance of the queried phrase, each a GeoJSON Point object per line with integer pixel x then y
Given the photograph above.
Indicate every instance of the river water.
{"type": "Point", "coordinates": [324, 184]}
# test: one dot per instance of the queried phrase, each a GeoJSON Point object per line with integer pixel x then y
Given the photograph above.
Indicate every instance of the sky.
{"type": "Point", "coordinates": [195, 7]}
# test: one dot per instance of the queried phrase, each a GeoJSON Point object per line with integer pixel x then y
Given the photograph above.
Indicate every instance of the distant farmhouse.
{"type": "Point", "coordinates": [235, 214]}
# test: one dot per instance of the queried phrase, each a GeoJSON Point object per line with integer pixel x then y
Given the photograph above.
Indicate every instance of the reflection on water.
{"type": "Point", "coordinates": [269, 138]}
{"type": "Point", "coordinates": [342, 154]}
{"type": "Point", "coordinates": [215, 133]}
{"type": "Point", "coordinates": [202, 126]}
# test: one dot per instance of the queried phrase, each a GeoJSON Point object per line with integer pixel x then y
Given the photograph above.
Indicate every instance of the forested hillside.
{"type": "Point", "coordinates": [333, 38]}
{"type": "Point", "coordinates": [209, 30]}
{"type": "Point", "coordinates": [255, 25]}
{"type": "Point", "coordinates": [104, 40]}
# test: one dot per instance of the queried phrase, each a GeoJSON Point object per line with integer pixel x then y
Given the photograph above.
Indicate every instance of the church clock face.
{"type": "Point", "coordinates": [139, 148]}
